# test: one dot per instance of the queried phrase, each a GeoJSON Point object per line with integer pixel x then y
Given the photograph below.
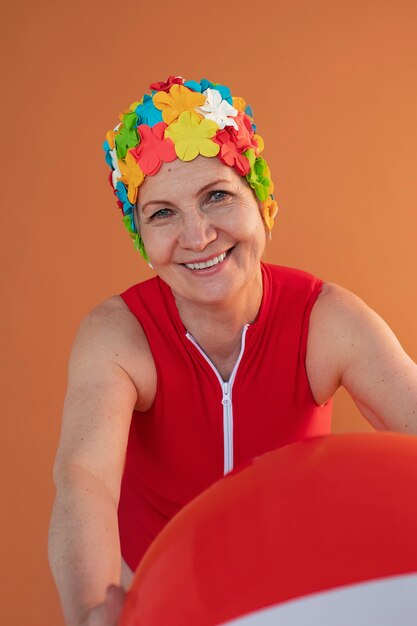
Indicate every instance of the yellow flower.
{"type": "Point", "coordinates": [259, 141]}
{"type": "Point", "coordinates": [178, 100]}
{"type": "Point", "coordinates": [134, 105]}
{"type": "Point", "coordinates": [132, 176]}
{"type": "Point", "coordinates": [269, 211]}
{"type": "Point", "coordinates": [192, 136]}
{"type": "Point", "coordinates": [239, 103]}
{"type": "Point", "coordinates": [123, 113]}
{"type": "Point", "coordinates": [110, 138]}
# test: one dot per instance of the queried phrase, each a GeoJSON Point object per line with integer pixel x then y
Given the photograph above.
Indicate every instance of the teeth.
{"type": "Point", "coordinates": [202, 266]}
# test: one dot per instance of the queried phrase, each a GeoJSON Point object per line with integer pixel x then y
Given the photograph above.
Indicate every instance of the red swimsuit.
{"type": "Point", "coordinates": [200, 427]}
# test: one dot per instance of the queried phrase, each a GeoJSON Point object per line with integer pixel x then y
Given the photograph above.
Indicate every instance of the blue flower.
{"type": "Point", "coordinates": [206, 84]}
{"type": "Point", "coordinates": [248, 111]}
{"type": "Point", "coordinates": [108, 158]}
{"type": "Point", "coordinates": [121, 193]}
{"type": "Point", "coordinates": [193, 85]}
{"type": "Point", "coordinates": [147, 112]}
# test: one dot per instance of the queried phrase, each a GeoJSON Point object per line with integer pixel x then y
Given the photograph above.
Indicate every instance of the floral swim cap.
{"type": "Point", "coordinates": [181, 119]}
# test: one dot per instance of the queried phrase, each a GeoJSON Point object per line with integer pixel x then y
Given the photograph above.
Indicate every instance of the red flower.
{"type": "Point", "coordinates": [230, 153]}
{"type": "Point", "coordinates": [244, 134]}
{"type": "Point", "coordinates": [153, 149]}
{"type": "Point", "coordinates": [243, 138]}
{"type": "Point", "coordinates": [165, 86]}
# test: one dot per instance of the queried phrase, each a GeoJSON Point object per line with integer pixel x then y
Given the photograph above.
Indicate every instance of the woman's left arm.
{"type": "Point", "coordinates": [352, 346]}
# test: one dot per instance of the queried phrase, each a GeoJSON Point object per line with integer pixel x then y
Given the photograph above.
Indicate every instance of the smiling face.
{"type": "Point", "coordinates": [202, 230]}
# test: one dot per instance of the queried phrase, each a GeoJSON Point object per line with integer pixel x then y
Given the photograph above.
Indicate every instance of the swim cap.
{"type": "Point", "coordinates": [179, 120]}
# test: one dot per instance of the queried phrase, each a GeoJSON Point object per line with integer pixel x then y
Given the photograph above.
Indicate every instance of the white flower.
{"type": "Point", "coordinates": [218, 110]}
{"type": "Point", "coordinates": [116, 174]}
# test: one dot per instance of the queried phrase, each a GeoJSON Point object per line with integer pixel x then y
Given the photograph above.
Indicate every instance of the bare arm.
{"type": "Point", "coordinates": [351, 345]}
{"type": "Point", "coordinates": [84, 548]}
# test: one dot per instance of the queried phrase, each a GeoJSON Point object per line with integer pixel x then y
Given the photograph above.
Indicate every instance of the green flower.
{"type": "Point", "coordinates": [259, 176]}
{"type": "Point", "coordinates": [130, 120]}
{"type": "Point", "coordinates": [137, 239]}
{"type": "Point", "coordinates": [125, 138]}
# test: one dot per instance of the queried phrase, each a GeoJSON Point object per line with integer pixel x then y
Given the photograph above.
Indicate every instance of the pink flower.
{"type": "Point", "coordinates": [153, 149]}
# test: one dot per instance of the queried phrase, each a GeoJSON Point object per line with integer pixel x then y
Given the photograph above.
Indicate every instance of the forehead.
{"type": "Point", "coordinates": [186, 177]}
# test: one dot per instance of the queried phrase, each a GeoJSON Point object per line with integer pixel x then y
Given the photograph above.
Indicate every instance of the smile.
{"type": "Point", "coordinates": [204, 264]}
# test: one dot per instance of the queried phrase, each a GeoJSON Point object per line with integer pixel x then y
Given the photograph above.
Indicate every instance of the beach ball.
{"type": "Point", "coordinates": [323, 531]}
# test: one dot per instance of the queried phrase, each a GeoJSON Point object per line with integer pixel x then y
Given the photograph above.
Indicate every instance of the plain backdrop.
{"type": "Point", "coordinates": [334, 90]}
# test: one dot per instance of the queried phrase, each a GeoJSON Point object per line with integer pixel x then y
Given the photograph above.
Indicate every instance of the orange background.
{"type": "Point", "coordinates": [334, 90]}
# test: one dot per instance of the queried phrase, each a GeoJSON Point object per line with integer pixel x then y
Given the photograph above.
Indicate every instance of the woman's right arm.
{"type": "Point", "coordinates": [84, 549]}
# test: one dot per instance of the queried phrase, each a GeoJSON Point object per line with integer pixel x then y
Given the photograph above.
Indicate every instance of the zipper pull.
{"type": "Point", "coordinates": [226, 401]}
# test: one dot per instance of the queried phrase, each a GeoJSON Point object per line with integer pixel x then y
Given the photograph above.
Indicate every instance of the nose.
{"type": "Point", "coordinates": [196, 232]}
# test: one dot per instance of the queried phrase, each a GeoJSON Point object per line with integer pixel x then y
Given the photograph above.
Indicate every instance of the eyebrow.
{"type": "Point", "coordinates": [199, 192]}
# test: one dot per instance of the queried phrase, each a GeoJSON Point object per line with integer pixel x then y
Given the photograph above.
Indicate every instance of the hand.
{"type": "Point", "coordinates": [108, 612]}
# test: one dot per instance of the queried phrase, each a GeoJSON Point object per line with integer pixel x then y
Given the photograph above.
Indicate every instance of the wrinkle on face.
{"type": "Point", "coordinates": [180, 223]}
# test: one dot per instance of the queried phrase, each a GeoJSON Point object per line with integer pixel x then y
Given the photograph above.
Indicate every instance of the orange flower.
{"type": "Point", "coordinates": [259, 142]}
{"type": "Point", "coordinates": [178, 100]}
{"type": "Point", "coordinates": [110, 138]}
{"type": "Point", "coordinates": [132, 176]}
{"type": "Point", "coordinates": [269, 211]}
{"type": "Point", "coordinates": [239, 103]}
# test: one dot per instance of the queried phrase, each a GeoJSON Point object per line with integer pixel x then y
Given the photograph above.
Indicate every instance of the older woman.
{"type": "Point", "coordinates": [219, 358]}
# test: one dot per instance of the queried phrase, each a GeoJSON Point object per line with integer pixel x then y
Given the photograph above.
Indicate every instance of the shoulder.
{"type": "Point", "coordinates": [342, 331]}
{"type": "Point", "coordinates": [110, 321]}
{"type": "Point", "coordinates": [330, 338]}
{"type": "Point", "coordinates": [109, 311]}
{"type": "Point", "coordinates": [338, 320]}
{"type": "Point", "coordinates": [354, 329]}
{"type": "Point", "coordinates": [352, 342]}
{"type": "Point", "coordinates": [341, 310]}
{"type": "Point", "coordinates": [110, 335]}
{"type": "Point", "coordinates": [292, 277]}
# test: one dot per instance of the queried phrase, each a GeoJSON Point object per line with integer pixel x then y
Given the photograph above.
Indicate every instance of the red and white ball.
{"type": "Point", "coordinates": [319, 532]}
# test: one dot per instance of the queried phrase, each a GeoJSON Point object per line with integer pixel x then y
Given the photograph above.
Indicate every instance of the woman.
{"type": "Point", "coordinates": [219, 357]}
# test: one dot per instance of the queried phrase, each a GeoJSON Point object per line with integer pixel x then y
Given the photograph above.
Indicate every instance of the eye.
{"type": "Point", "coordinates": [218, 195]}
{"type": "Point", "coordinates": [161, 214]}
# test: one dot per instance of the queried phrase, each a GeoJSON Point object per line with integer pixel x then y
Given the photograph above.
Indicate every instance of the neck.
{"type": "Point", "coordinates": [217, 327]}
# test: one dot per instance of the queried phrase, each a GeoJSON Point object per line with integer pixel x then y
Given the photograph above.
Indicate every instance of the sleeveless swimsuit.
{"type": "Point", "coordinates": [200, 427]}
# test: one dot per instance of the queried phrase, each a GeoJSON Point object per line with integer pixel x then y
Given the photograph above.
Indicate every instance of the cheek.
{"type": "Point", "coordinates": [258, 232]}
{"type": "Point", "coordinates": [158, 245]}
{"type": "Point", "coordinates": [250, 224]}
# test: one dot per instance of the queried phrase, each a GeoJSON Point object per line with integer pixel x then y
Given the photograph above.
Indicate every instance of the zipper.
{"type": "Point", "coordinates": [227, 387]}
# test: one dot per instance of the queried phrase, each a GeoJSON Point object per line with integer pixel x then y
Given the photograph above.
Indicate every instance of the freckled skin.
{"type": "Point", "coordinates": [186, 224]}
